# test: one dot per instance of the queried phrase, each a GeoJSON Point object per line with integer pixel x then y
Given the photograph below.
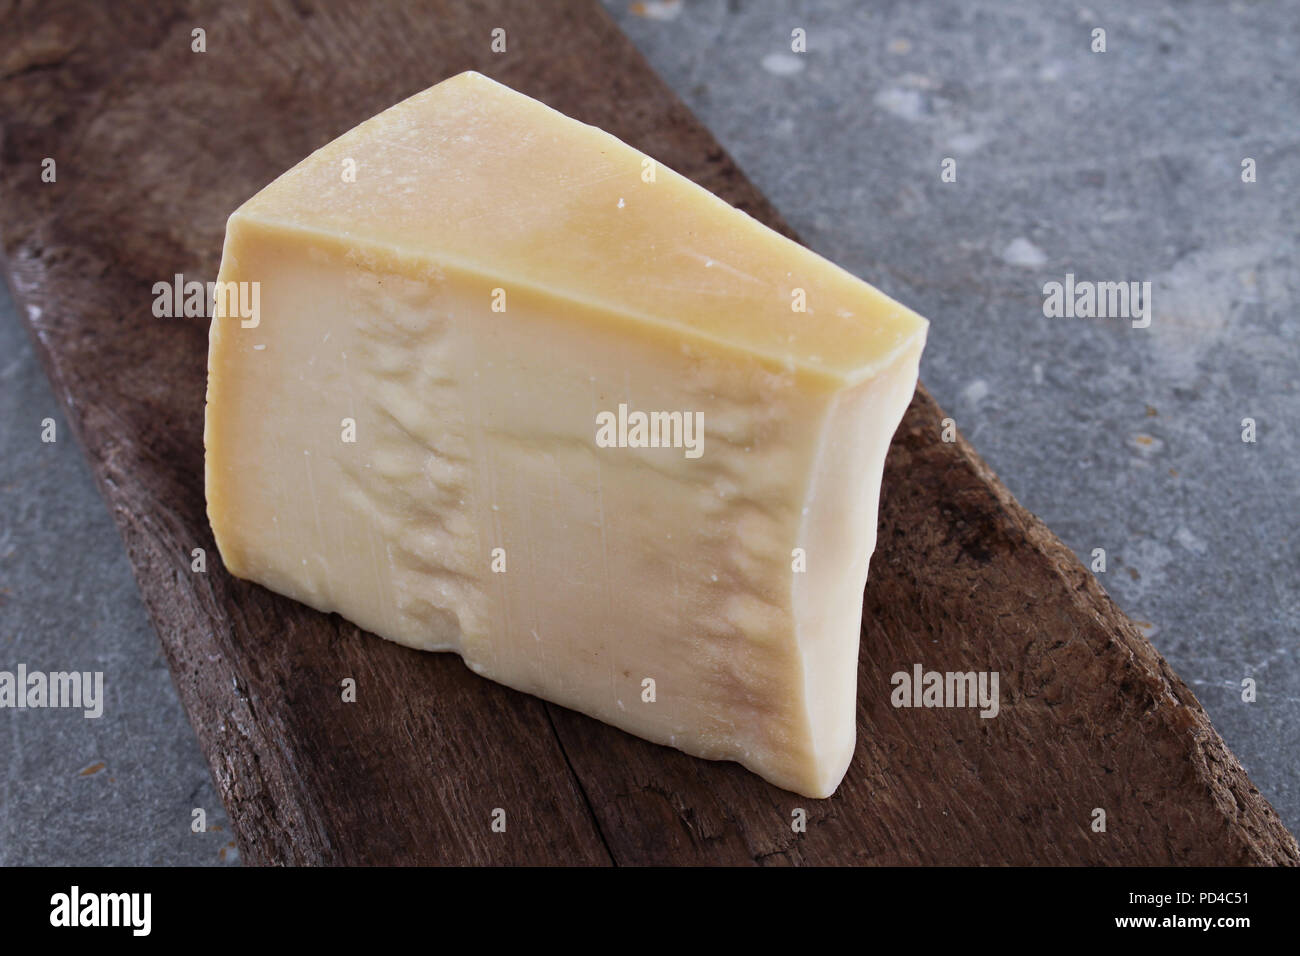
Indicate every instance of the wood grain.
{"type": "Point", "coordinates": [156, 144]}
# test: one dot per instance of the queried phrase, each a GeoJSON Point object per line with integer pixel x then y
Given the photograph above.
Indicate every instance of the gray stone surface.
{"type": "Point", "coordinates": [1122, 165]}
{"type": "Point", "coordinates": [121, 788]}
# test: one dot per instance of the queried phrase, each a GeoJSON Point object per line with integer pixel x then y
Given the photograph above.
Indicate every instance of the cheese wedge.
{"type": "Point", "coordinates": [511, 389]}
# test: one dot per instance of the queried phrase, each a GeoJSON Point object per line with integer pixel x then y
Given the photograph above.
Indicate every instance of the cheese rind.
{"type": "Point", "coordinates": [475, 511]}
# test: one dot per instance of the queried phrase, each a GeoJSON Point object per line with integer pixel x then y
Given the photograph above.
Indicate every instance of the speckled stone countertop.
{"type": "Point", "coordinates": [1115, 166]}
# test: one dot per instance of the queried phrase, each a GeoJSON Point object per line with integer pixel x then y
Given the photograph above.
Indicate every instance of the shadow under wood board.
{"type": "Point", "coordinates": [156, 145]}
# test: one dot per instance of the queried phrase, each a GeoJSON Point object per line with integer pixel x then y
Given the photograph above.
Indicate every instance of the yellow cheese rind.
{"type": "Point", "coordinates": [666, 250]}
{"type": "Point", "coordinates": [624, 568]}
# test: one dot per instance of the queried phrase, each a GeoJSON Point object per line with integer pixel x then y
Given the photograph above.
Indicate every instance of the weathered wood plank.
{"type": "Point", "coordinates": [157, 144]}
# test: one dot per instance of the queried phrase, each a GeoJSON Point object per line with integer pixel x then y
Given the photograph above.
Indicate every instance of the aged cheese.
{"type": "Point", "coordinates": [513, 390]}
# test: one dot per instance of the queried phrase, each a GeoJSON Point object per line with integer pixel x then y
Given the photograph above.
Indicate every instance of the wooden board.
{"type": "Point", "coordinates": [156, 144]}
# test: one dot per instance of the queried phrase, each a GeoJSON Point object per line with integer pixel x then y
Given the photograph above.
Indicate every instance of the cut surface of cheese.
{"type": "Point", "coordinates": [513, 390]}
